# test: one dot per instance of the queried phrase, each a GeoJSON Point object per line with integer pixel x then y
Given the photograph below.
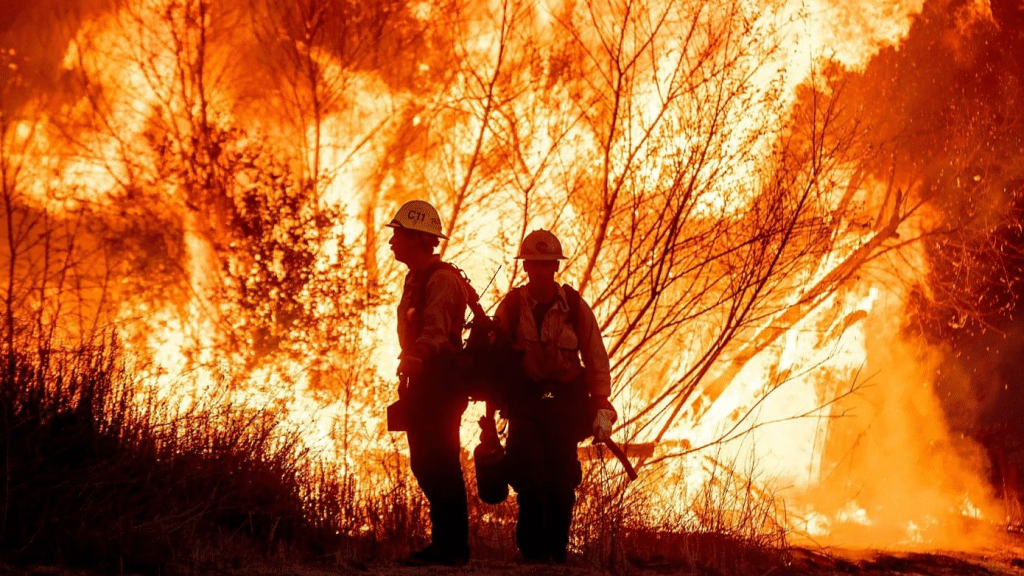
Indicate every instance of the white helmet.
{"type": "Point", "coordinates": [540, 245]}
{"type": "Point", "coordinates": [420, 216]}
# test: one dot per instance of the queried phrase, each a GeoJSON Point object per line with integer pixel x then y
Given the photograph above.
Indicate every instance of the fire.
{"type": "Point", "coordinates": [716, 205]}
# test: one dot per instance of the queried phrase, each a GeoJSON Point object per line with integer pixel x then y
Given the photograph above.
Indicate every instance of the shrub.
{"type": "Point", "coordinates": [99, 474]}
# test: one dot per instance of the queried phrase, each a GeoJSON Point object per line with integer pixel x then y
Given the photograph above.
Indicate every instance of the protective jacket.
{"type": "Point", "coordinates": [552, 351]}
{"type": "Point", "coordinates": [435, 324]}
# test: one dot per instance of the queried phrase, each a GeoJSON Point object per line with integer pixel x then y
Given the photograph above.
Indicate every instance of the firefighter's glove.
{"type": "Point", "coordinates": [604, 417]}
{"type": "Point", "coordinates": [603, 424]}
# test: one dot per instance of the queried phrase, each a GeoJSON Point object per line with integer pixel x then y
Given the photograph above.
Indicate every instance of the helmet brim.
{"type": "Point", "coordinates": [397, 224]}
{"type": "Point", "coordinates": [545, 257]}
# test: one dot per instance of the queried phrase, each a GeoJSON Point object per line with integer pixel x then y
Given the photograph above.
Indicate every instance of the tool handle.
{"type": "Point", "coordinates": [621, 456]}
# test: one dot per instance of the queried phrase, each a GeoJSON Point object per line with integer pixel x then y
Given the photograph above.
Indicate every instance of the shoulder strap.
{"type": "Point", "coordinates": [419, 300]}
{"type": "Point", "coordinates": [421, 293]}
{"type": "Point", "coordinates": [472, 298]}
{"type": "Point", "coordinates": [572, 298]}
{"type": "Point", "coordinates": [514, 305]}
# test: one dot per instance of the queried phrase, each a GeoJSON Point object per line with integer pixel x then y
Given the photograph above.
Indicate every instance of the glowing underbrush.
{"type": "Point", "coordinates": [103, 476]}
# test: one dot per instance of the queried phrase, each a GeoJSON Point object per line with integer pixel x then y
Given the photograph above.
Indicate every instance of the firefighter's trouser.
{"type": "Point", "coordinates": [434, 451]}
{"type": "Point", "coordinates": [545, 470]}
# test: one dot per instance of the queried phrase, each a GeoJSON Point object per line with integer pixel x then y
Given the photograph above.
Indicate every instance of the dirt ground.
{"type": "Point", "coordinates": [994, 561]}
{"type": "Point", "coordinates": [1004, 557]}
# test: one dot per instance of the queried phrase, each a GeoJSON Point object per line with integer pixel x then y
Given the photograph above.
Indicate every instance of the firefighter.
{"type": "Point", "coordinates": [430, 321]}
{"type": "Point", "coordinates": [561, 397]}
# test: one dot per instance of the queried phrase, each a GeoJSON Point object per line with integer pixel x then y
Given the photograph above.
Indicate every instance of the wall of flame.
{"type": "Point", "coordinates": [156, 123]}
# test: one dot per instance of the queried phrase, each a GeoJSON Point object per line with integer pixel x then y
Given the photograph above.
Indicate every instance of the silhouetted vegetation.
{"type": "Point", "coordinates": [97, 476]}
{"type": "Point", "coordinates": [219, 172]}
{"type": "Point", "coordinates": [103, 475]}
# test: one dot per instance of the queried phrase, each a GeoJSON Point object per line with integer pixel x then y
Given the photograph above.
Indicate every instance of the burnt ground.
{"type": "Point", "coordinates": [1004, 557]}
{"type": "Point", "coordinates": [811, 564]}
{"type": "Point", "coordinates": [937, 563]}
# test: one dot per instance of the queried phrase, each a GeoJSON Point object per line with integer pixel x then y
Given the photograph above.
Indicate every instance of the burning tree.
{"type": "Point", "coordinates": [732, 212]}
{"type": "Point", "coordinates": [710, 207]}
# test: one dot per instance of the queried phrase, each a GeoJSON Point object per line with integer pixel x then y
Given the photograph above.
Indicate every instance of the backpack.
{"type": "Point", "coordinates": [473, 367]}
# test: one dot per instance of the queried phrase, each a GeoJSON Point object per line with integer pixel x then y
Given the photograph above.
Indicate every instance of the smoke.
{"type": "Point", "coordinates": [951, 130]}
{"type": "Point", "coordinates": [891, 455]}
{"type": "Point", "coordinates": [34, 37]}
{"type": "Point", "coordinates": [941, 111]}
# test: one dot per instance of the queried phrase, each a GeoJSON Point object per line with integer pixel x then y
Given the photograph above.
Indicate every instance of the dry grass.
{"type": "Point", "coordinates": [96, 475]}
{"type": "Point", "coordinates": [725, 525]}
{"type": "Point", "coordinates": [101, 475]}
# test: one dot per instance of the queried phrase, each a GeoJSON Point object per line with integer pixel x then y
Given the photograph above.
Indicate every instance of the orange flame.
{"type": "Point", "coordinates": [515, 137]}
